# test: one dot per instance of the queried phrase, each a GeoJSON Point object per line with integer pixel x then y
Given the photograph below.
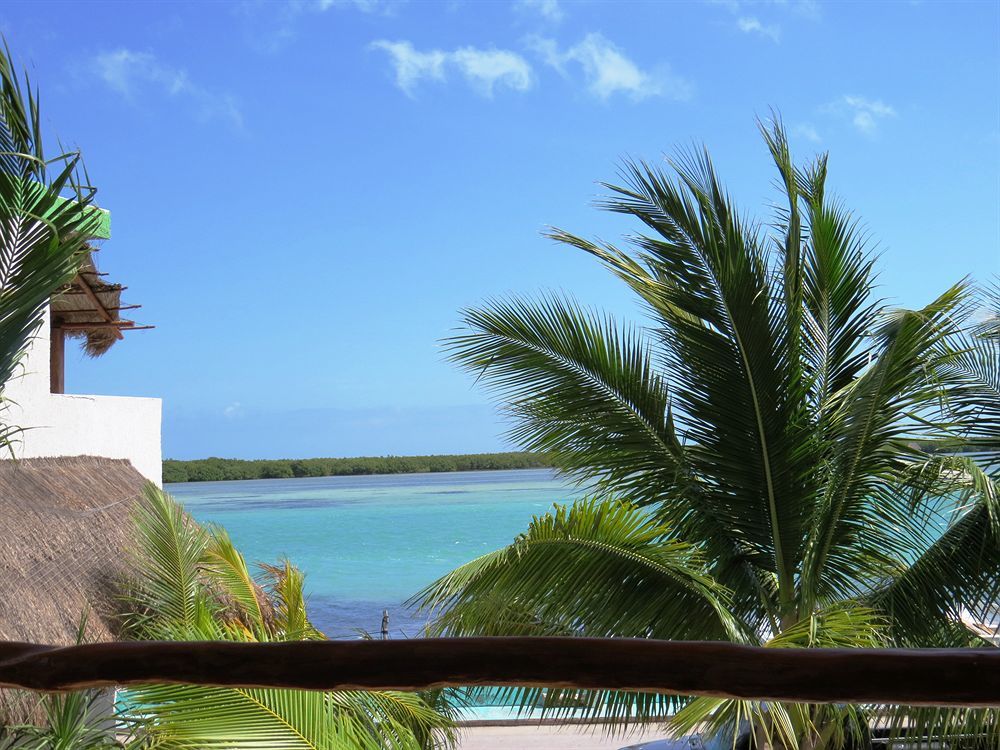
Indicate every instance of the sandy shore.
{"type": "Point", "coordinates": [571, 737]}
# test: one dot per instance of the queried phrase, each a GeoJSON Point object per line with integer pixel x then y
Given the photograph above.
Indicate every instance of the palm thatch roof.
{"type": "Point", "coordinates": [90, 308]}
{"type": "Point", "coordinates": [64, 537]}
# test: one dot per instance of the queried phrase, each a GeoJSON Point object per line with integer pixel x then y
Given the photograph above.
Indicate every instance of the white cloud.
{"type": "Point", "coordinates": [807, 131]}
{"type": "Point", "coordinates": [412, 66]}
{"type": "Point", "coordinates": [124, 70]}
{"type": "Point", "coordinates": [806, 8]}
{"type": "Point", "coordinates": [132, 74]}
{"type": "Point", "coordinates": [864, 114]}
{"type": "Point", "coordinates": [234, 410]}
{"type": "Point", "coordinates": [549, 10]}
{"type": "Point", "coordinates": [483, 69]}
{"type": "Point", "coordinates": [366, 6]}
{"type": "Point", "coordinates": [608, 71]}
{"type": "Point", "coordinates": [486, 68]}
{"type": "Point", "coordinates": [752, 25]}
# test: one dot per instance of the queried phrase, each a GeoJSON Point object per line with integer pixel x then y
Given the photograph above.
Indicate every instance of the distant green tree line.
{"type": "Point", "coordinates": [222, 469]}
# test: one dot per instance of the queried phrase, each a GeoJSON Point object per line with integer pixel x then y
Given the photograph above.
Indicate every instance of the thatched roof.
{"type": "Point", "coordinates": [64, 537]}
{"type": "Point", "coordinates": [90, 308]}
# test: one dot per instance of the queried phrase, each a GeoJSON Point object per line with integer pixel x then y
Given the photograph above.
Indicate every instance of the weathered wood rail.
{"type": "Point", "coordinates": [946, 677]}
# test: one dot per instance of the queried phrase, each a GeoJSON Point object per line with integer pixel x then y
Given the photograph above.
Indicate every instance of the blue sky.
{"type": "Point", "coordinates": [305, 193]}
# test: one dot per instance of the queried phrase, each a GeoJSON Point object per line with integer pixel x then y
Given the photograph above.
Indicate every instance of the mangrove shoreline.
{"type": "Point", "coordinates": [233, 469]}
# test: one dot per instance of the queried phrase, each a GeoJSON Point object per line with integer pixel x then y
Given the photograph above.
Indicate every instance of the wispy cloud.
{"type": "Point", "coordinates": [864, 114]}
{"type": "Point", "coordinates": [235, 409]}
{"type": "Point", "coordinates": [137, 74]}
{"type": "Point", "coordinates": [752, 25]}
{"type": "Point", "coordinates": [366, 6]}
{"type": "Point", "coordinates": [805, 8]}
{"type": "Point", "coordinates": [272, 24]}
{"type": "Point", "coordinates": [807, 131]}
{"type": "Point", "coordinates": [549, 10]}
{"type": "Point", "coordinates": [747, 14]}
{"type": "Point", "coordinates": [411, 65]}
{"type": "Point", "coordinates": [483, 69]}
{"type": "Point", "coordinates": [608, 71]}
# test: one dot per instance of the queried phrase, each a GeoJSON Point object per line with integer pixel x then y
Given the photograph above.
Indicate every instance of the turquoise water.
{"type": "Point", "coordinates": [369, 543]}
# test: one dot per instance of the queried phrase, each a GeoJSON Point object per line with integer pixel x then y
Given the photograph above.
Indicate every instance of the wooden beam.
{"type": "Point", "coordinates": [940, 677]}
{"type": "Point", "coordinates": [119, 325]}
{"type": "Point", "coordinates": [57, 358]}
{"type": "Point", "coordinates": [75, 289]}
{"type": "Point", "coordinates": [98, 305]}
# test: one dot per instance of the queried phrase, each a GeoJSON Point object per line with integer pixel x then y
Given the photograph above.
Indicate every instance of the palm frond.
{"type": "Point", "coordinates": [170, 551]}
{"type": "Point", "coordinates": [867, 425]}
{"type": "Point", "coordinates": [968, 364]}
{"type": "Point", "coordinates": [839, 278]}
{"type": "Point", "coordinates": [225, 564]}
{"type": "Point", "coordinates": [843, 625]}
{"type": "Point", "coordinates": [581, 388]}
{"type": "Point", "coordinates": [187, 717]}
{"type": "Point", "coordinates": [822, 453]}
{"type": "Point", "coordinates": [45, 222]}
{"type": "Point", "coordinates": [409, 716]}
{"type": "Point", "coordinates": [720, 334]}
{"type": "Point", "coordinates": [286, 585]}
{"type": "Point", "coordinates": [598, 568]}
{"type": "Point", "coordinates": [188, 586]}
{"type": "Point", "coordinates": [956, 574]}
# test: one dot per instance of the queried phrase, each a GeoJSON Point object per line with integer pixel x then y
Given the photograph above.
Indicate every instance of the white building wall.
{"type": "Point", "coordinates": [58, 424]}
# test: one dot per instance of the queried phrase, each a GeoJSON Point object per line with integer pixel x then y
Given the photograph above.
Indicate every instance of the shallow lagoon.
{"type": "Point", "coordinates": [368, 543]}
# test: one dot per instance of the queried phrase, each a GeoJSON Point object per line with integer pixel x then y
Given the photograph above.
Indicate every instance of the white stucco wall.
{"type": "Point", "coordinates": [57, 424]}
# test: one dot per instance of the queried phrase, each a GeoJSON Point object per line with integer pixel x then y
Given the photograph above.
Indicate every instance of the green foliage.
{"type": "Point", "coordinates": [73, 721]}
{"type": "Point", "coordinates": [813, 468]}
{"type": "Point", "coordinates": [79, 720]}
{"type": "Point", "coordinates": [46, 217]}
{"type": "Point", "coordinates": [226, 469]}
{"type": "Point", "coordinates": [193, 584]}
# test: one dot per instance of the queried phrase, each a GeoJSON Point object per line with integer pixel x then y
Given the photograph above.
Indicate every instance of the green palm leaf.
{"type": "Point", "coordinates": [796, 446]}
{"type": "Point", "coordinates": [47, 218]}
{"type": "Point", "coordinates": [224, 562]}
{"type": "Point", "coordinates": [171, 549]}
{"type": "Point", "coordinates": [706, 279]}
{"type": "Point", "coordinates": [195, 585]}
{"type": "Point", "coordinates": [286, 585]}
{"type": "Point", "coordinates": [866, 424]}
{"type": "Point", "coordinates": [581, 389]}
{"type": "Point", "coordinates": [598, 568]}
{"type": "Point", "coordinates": [185, 717]}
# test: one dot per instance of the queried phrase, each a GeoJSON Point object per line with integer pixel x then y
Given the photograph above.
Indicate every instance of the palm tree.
{"type": "Point", "coordinates": [774, 456]}
{"type": "Point", "coordinates": [46, 218]}
{"type": "Point", "coordinates": [193, 584]}
{"type": "Point", "coordinates": [78, 720]}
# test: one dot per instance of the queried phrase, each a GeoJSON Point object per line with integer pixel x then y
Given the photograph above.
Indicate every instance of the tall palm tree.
{"type": "Point", "coordinates": [46, 217]}
{"type": "Point", "coordinates": [193, 584]}
{"type": "Point", "coordinates": [775, 456]}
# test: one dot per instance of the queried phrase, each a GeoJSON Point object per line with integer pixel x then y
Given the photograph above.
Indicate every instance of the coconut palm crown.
{"type": "Point", "coordinates": [193, 584]}
{"type": "Point", "coordinates": [774, 457]}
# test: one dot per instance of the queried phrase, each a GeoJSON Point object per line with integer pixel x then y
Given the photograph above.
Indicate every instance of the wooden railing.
{"type": "Point", "coordinates": [946, 677]}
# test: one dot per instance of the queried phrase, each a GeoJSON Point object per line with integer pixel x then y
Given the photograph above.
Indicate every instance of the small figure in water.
{"type": "Point", "coordinates": [385, 624]}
